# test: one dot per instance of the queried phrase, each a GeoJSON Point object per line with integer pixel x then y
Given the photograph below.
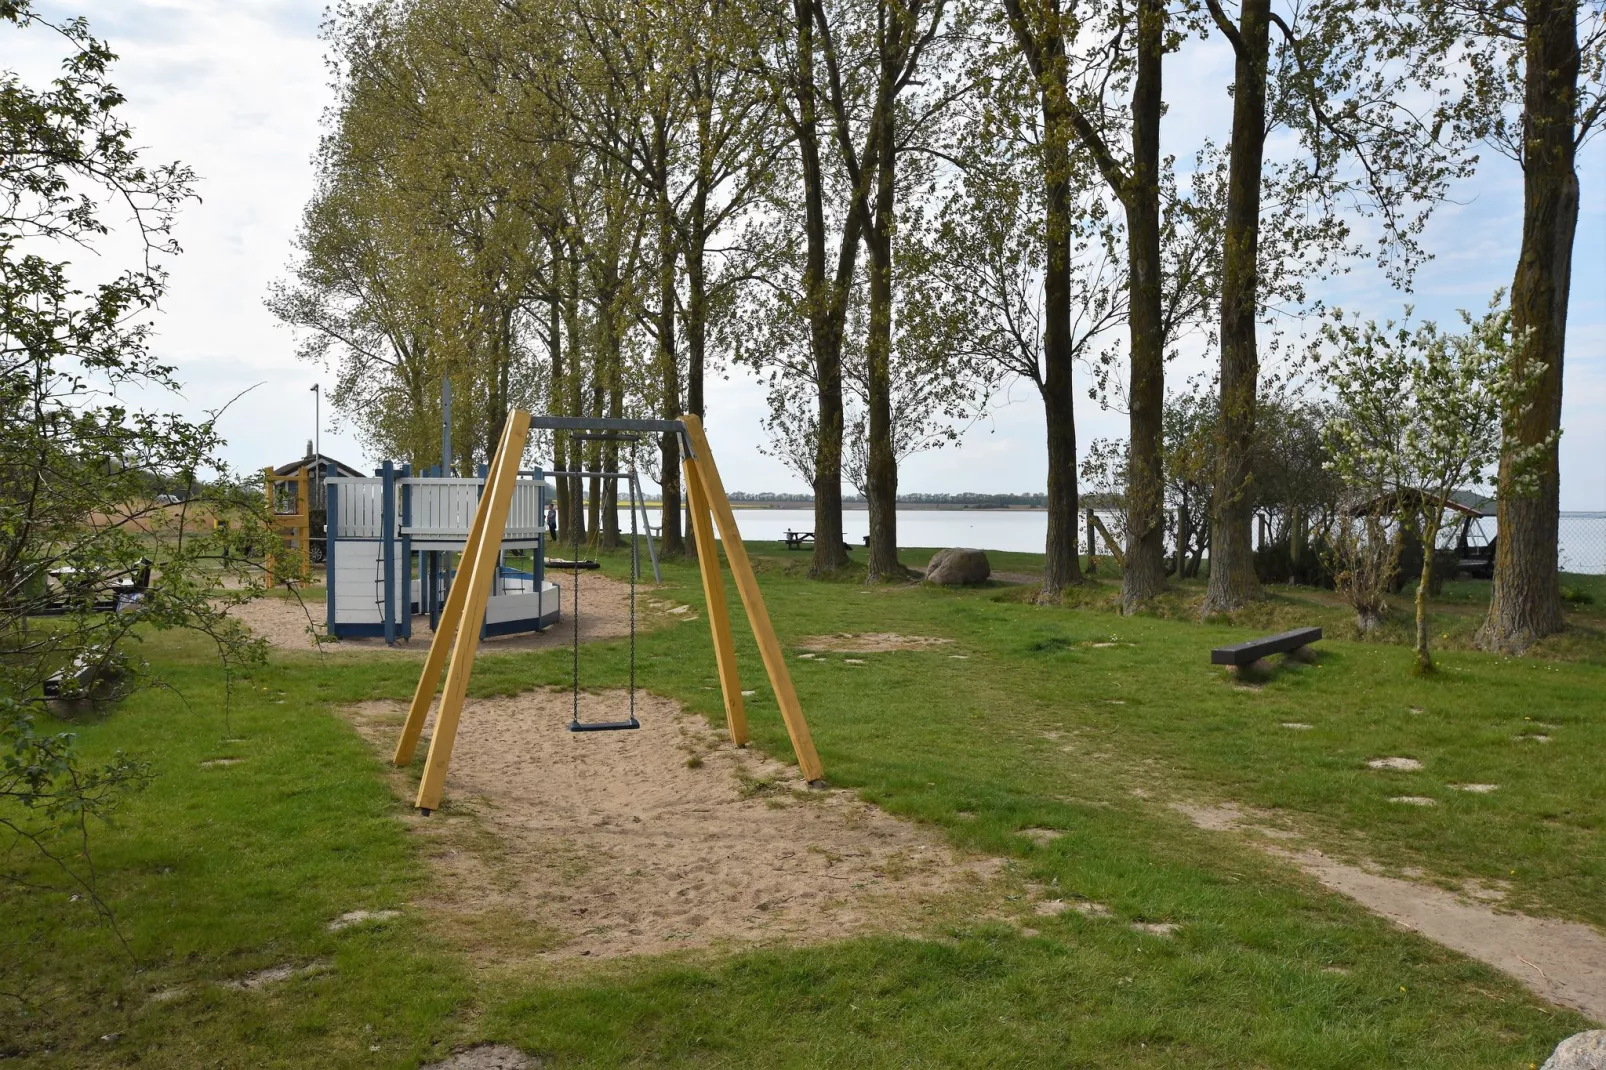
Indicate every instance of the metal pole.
{"type": "Point", "coordinates": [446, 426]}
{"type": "Point", "coordinates": [636, 496]}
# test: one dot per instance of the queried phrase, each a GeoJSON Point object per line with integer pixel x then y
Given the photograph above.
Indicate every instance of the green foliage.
{"type": "Point", "coordinates": [1418, 414]}
{"type": "Point", "coordinates": [90, 560]}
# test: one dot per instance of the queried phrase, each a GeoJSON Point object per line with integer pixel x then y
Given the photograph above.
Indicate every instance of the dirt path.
{"type": "Point", "coordinates": [1562, 961]}
{"type": "Point", "coordinates": [637, 842]}
{"type": "Point", "coordinates": [604, 614]}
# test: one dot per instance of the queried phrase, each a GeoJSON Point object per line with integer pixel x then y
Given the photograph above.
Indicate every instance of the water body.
{"type": "Point", "coordinates": [1583, 535]}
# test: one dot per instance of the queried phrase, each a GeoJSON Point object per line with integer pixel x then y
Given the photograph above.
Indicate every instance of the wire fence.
{"type": "Point", "coordinates": [1583, 543]}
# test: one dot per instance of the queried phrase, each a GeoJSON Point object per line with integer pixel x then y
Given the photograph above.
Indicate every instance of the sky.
{"type": "Point", "coordinates": [237, 90]}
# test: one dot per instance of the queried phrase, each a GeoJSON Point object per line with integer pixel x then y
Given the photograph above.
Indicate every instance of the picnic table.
{"type": "Point", "coordinates": [795, 540]}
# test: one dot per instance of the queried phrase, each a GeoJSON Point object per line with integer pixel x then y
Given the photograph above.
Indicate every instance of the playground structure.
{"type": "Point", "coordinates": [296, 502]}
{"type": "Point", "coordinates": [466, 601]}
{"type": "Point", "coordinates": [395, 541]}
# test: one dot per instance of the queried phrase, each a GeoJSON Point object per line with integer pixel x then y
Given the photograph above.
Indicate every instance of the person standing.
{"type": "Point", "coordinates": [552, 520]}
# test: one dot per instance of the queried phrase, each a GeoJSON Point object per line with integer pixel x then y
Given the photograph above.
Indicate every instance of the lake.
{"type": "Point", "coordinates": [1583, 535]}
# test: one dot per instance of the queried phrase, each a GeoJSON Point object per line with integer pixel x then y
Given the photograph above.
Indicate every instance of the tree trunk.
{"type": "Point", "coordinates": [593, 452]}
{"type": "Point", "coordinates": [614, 378]}
{"type": "Point", "coordinates": [574, 527]}
{"type": "Point", "coordinates": [1232, 570]}
{"type": "Point", "coordinates": [1430, 539]}
{"type": "Point", "coordinates": [1143, 575]}
{"type": "Point", "coordinates": [1526, 603]}
{"type": "Point", "coordinates": [825, 303]}
{"type": "Point", "coordinates": [555, 393]}
{"type": "Point", "coordinates": [1062, 565]}
{"type": "Point", "coordinates": [672, 543]}
{"type": "Point", "coordinates": [881, 490]}
{"type": "Point", "coordinates": [697, 291]}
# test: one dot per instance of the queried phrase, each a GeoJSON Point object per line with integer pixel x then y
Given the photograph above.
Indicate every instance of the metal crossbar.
{"type": "Point", "coordinates": [604, 423]}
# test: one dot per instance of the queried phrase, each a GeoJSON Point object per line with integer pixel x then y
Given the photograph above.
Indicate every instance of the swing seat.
{"type": "Point", "coordinates": [603, 726]}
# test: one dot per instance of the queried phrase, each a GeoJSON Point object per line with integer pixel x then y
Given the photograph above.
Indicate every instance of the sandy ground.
{"type": "Point", "coordinates": [869, 642]}
{"type": "Point", "coordinates": [664, 838]}
{"type": "Point", "coordinates": [1562, 961]}
{"type": "Point", "coordinates": [604, 614]}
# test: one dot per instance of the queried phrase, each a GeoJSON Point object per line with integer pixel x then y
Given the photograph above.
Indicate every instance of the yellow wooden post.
{"type": "Point", "coordinates": [304, 520]}
{"type": "Point", "coordinates": [450, 615]}
{"type": "Point", "coordinates": [494, 504]}
{"type": "Point", "coordinates": [769, 647]}
{"type": "Point", "coordinates": [719, 620]}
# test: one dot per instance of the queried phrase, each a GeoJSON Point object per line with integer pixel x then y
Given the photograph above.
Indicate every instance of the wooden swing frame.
{"type": "Point", "coordinates": [467, 598]}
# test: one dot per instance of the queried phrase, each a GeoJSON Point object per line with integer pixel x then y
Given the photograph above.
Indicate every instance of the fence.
{"type": "Point", "coordinates": [1582, 542]}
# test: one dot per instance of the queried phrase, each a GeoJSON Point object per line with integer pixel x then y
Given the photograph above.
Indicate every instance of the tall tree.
{"type": "Point", "coordinates": [1536, 91]}
{"type": "Point", "coordinates": [1040, 31]}
{"type": "Point", "coordinates": [789, 57]}
{"type": "Point", "coordinates": [1343, 79]}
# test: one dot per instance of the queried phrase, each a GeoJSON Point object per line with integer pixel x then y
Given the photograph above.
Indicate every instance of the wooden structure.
{"type": "Point", "coordinates": [296, 502]}
{"type": "Point", "coordinates": [1241, 654]}
{"type": "Point", "coordinates": [290, 502]}
{"type": "Point", "coordinates": [465, 604]}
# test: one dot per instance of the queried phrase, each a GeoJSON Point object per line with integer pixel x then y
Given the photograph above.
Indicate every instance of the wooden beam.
{"type": "Point", "coordinates": [719, 620]}
{"type": "Point", "coordinates": [445, 631]}
{"type": "Point", "coordinates": [494, 504]}
{"type": "Point", "coordinates": [769, 647]}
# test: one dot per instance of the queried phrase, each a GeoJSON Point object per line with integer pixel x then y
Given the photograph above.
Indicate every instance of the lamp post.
{"type": "Point", "coordinates": [317, 423]}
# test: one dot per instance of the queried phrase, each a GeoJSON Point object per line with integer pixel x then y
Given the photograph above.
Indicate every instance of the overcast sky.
{"type": "Point", "coordinates": [237, 88]}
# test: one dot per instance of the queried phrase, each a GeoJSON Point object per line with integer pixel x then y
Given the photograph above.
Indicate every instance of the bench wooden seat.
{"type": "Point", "coordinates": [1241, 654]}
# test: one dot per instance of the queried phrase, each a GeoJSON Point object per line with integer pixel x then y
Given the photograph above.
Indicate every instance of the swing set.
{"type": "Point", "coordinates": [467, 598]}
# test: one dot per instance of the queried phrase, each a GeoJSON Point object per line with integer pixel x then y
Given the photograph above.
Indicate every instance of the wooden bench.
{"type": "Point", "coordinates": [1241, 654]}
{"type": "Point", "coordinates": [796, 540]}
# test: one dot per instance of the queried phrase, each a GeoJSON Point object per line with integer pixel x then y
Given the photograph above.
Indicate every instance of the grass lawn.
{"type": "Point", "coordinates": [218, 871]}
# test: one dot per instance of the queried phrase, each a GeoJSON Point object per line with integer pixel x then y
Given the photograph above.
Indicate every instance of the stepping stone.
{"type": "Point", "coordinates": [854, 661]}
{"type": "Point", "coordinates": [1298, 726]}
{"type": "Point", "coordinates": [218, 763]}
{"type": "Point", "coordinates": [1476, 789]}
{"type": "Point", "coordinates": [1534, 738]}
{"type": "Point", "coordinates": [1155, 928]}
{"type": "Point", "coordinates": [1041, 836]}
{"type": "Point", "coordinates": [1414, 800]}
{"type": "Point", "coordinates": [361, 917]}
{"type": "Point", "coordinates": [1399, 765]}
{"type": "Point", "coordinates": [1091, 909]}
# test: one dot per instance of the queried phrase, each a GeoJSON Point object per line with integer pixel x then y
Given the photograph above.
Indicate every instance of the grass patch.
{"type": "Point", "coordinates": [1052, 719]}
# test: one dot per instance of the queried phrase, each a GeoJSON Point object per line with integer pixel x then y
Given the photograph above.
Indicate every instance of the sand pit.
{"type": "Point", "coordinates": [604, 614]}
{"type": "Point", "coordinates": [665, 838]}
{"type": "Point", "coordinates": [870, 643]}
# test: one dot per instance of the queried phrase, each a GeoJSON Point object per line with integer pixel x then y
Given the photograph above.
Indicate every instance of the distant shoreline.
{"type": "Point", "coordinates": [860, 507]}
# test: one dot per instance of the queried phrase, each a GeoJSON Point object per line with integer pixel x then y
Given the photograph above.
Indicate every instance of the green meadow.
{"type": "Point", "coordinates": [270, 816]}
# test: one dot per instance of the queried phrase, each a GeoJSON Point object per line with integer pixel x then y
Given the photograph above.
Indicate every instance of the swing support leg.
{"type": "Point", "coordinates": [719, 619]}
{"type": "Point", "coordinates": [481, 566]}
{"type": "Point", "coordinates": [445, 627]}
{"type": "Point", "coordinates": [769, 647]}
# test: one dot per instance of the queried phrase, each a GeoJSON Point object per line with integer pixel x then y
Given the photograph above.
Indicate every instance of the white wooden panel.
{"type": "Point", "coordinates": [359, 507]}
{"type": "Point", "coordinates": [445, 507]}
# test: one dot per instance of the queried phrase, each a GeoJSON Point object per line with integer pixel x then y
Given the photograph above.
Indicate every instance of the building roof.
{"type": "Point", "coordinates": [340, 469]}
{"type": "Point", "coordinates": [1465, 502]}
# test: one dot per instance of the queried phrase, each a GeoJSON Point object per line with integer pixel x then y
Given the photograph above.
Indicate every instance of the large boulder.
{"type": "Point", "coordinates": [1581, 1051]}
{"type": "Point", "coordinates": [958, 566]}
